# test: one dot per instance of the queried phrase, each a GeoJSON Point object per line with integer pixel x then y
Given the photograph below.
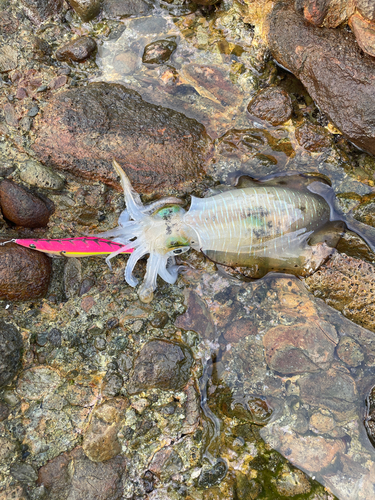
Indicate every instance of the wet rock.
{"type": "Point", "coordinates": [297, 348]}
{"type": "Point", "coordinates": [165, 463]}
{"type": "Point", "coordinates": [8, 58]}
{"type": "Point", "coordinates": [113, 9]}
{"type": "Point", "coordinates": [77, 50]}
{"type": "Point", "coordinates": [246, 408]}
{"type": "Point", "coordinates": [24, 273]}
{"type": "Point", "coordinates": [22, 207]}
{"type": "Point", "coordinates": [160, 319]}
{"type": "Point", "coordinates": [8, 23]}
{"type": "Point", "coordinates": [36, 174]}
{"type": "Point", "coordinates": [347, 284]}
{"type": "Point", "coordinates": [369, 420]}
{"type": "Point", "coordinates": [364, 32]}
{"type": "Point", "coordinates": [213, 475]}
{"type": "Point", "coordinates": [365, 211]}
{"type": "Point", "coordinates": [100, 442]}
{"type": "Point", "coordinates": [197, 317]}
{"type": "Point", "coordinates": [112, 384]}
{"type": "Point", "coordinates": [4, 411]}
{"type": "Point", "coordinates": [86, 286]}
{"type": "Point", "coordinates": [329, 13]}
{"type": "Point", "coordinates": [54, 337]}
{"type": "Point", "coordinates": [158, 52]}
{"type": "Point", "coordinates": [24, 473]}
{"type": "Point", "coordinates": [291, 482]}
{"type": "Point", "coordinates": [10, 352]}
{"type": "Point", "coordinates": [86, 9]}
{"type": "Point", "coordinates": [350, 351]}
{"type": "Point", "coordinates": [239, 329]}
{"type": "Point", "coordinates": [73, 475]}
{"type": "Point", "coordinates": [246, 488]}
{"type": "Point", "coordinates": [321, 423]}
{"type": "Point", "coordinates": [330, 65]}
{"type": "Point", "coordinates": [72, 277]}
{"type": "Point", "coordinates": [8, 449]}
{"type": "Point", "coordinates": [10, 115]}
{"type": "Point", "coordinates": [158, 147]}
{"type": "Point", "coordinates": [272, 105]}
{"type": "Point", "coordinates": [35, 383]}
{"type": "Point", "coordinates": [40, 10]}
{"type": "Point", "coordinates": [161, 364]}
{"type": "Point", "coordinates": [366, 8]}
{"type": "Point", "coordinates": [312, 137]}
{"type": "Point", "coordinates": [206, 2]}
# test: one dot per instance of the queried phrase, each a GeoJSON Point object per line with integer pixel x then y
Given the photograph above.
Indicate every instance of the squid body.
{"type": "Point", "coordinates": [262, 226]}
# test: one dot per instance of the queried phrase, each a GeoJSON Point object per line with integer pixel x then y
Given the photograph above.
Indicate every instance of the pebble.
{"type": "Point", "coordinates": [113, 9]}
{"type": "Point", "coordinates": [86, 286]}
{"type": "Point", "coordinates": [86, 9]}
{"type": "Point", "coordinates": [350, 351]}
{"type": "Point", "coordinates": [36, 174]}
{"type": "Point", "coordinates": [22, 207]}
{"type": "Point", "coordinates": [10, 351]}
{"type": "Point", "coordinates": [158, 52]}
{"type": "Point", "coordinates": [8, 58]}
{"type": "Point", "coordinates": [160, 319]}
{"type": "Point", "coordinates": [36, 383]}
{"type": "Point", "coordinates": [272, 105]}
{"type": "Point", "coordinates": [291, 482]}
{"type": "Point", "coordinates": [24, 473]}
{"type": "Point", "coordinates": [72, 277]}
{"type": "Point", "coordinates": [77, 50]}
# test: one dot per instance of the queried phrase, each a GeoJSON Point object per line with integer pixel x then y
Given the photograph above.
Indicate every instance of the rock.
{"type": "Point", "coordinates": [364, 32]}
{"type": "Point", "coordinates": [77, 50]}
{"type": "Point", "coordinates": [36, 174]}
{"type": "Point", "coordinates": [158, 52]}
{"type": "Point", "coordinates": [8, 23]}
{"type": "Point", "coordinates": [272, 105]}
{"type": "Point", "coordinates": [22, 207]}
{"type": "Point", "coordinates": [206, 2]}
{"type": "Point", "coordinates": [350, 352]}
{"type": "Point", "coordinates": [10, 115]}
{"type": "Point", "coordinates": [245, 488]}
{"type": "Point", "coordinates": [24, 273]}
{"type": "Point", "coordinates": [197, 317]}
{"type": "Point", "coordinates": [86, 9]}
{"type": "Point", "coordinates": [161, 364]}
{"type": "Point", "coordinates": [165, 463]}
{"type": "Point", "coordinates": [24, 473]}
{"type": "Point", "coordinates": [72, 277]}
{"type": "Point", "coordinates": [83, 130]}
{"type": "Point", "coordinates": [73, 475]}
{"type": "Point", "coordinates": [312, 137]}
{"type": "Point", "coordinates": [113, 9]}
{"type": "Point", "coordinates": [160, 319]}
{"type": "Point", "coordinates": [213, 475]}
{"type": "Point", "coordinates": [35, 383]}
{"type": "Point", "coordinates": [370, 416]}
{"type": "Point", "coordinates": [365, 211]}
{"type": "Point", "coordinates": [40, 10]}
{"type": "Point", "coordinates": [8, 58]}
{"type": "Point", "coordinates": [10, 351]}
{"type": "Point", "coordinates": [347, 284]}
{"type": "Point", "coordinates": [297, 348]}
{"type": "Point", "coordinates": [366, 8]}
{"type": "Point", "coordinates": [239, 329]}
{"type": "Point", "coordinates": [330, 65]}
{"type": "Point", "coordinates": [328, 13]}
{"type": "Point", "coordinates": [321, 423]}
{"type": "Point", "coordinates": [291, 482]}
{"type": "Point", "coordinates": [8, 449]}
{"type": "Point", "coordinates": [4, 411]}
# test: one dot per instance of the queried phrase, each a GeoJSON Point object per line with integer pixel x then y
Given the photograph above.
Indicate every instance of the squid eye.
{"type": "Point", "coordinates": [180, 250]}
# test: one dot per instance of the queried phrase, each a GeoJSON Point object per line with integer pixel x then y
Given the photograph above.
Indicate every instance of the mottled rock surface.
{"type": "Point", "coordinates": [36, 174]}
{"type": "Point", "coordinates": [366, 8]}
{"type": "Point", "coordinates": [364, 32]}
{"type": "Point", "coordinates": [86, 9]}
{"type": "Point", "coordinates": [10, 351]}
{"type": "Point", "coordinates": [77, 50]}
{"type": "Point", "coordinates": [113, 9]}
{"type": "Point", "coordinates": [272, 105]}
{"type": "Point", "coordinates": [24, 273]}
{"type": "Point", "coordinates": [83, 130]}
{"type": "Point", "coordinates": [330, 65]}
{"type": "Point", "coordinates": [158, 52]}
{"type": "Point", "coordinates": [328, 13]}
{"type": "Point", "coordinates": [40, 10]}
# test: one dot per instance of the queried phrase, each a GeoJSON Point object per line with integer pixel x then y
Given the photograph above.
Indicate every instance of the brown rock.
{"type": "Point", "coordinates": [40, 10]}
{"type": "Point", "coordinates": [24, 273]}
{"type": "Point", "coordinates": [22, 207]}
{"type": "Point", "coordinates": [297, 348]}
{"type": "Point", "coordinates": [329, 13]}
{"type": "Point", "coordinates": [83, 130]}
{"type": "Point", "coordinates": [364, 31]}
{"type": "Point", "coordinates": [113, 9]}
{"type": "Point", "coordinates": [239, 329]}
{"type": "Point", "coordinates": [165, 463]}
{"type": "Point", "coordinates": [272, 105]}
{"type": "Point", "coordinates": [365, 211]}
{"type": "Point", "coordinates": [321, 423]}
{"type": "Point", "coordinates": [86, 9]}
{"type": "Point", "coordinates": [350, 352]}
{"type": "Point", "coordinates": [8, 23]}
{"type": "Point", "coordinates": [347, 284]}
{"type": "Point", "coordinates": [197, 317]}
{"type": "Point", "coordinates": [291, 482]}
{"type": "Point", "coordinates": [312, 137]}
{"type": "Point", "coordinates": [10, 352]}
{"type": "Point", "coordinates": [77, 50]}
{"type": "Point", "coordinates": [73, 475]}
{"type": "Point", "coordinates": [158, 52]}
{"type": "Point", "coordinates": [337, 75]}
{"type": "Point", "coordinates": [8, 58]}
{"type": "Point", "coordinates": [370, 415]}
{"type": "Point", "coordinates": [366, 8]}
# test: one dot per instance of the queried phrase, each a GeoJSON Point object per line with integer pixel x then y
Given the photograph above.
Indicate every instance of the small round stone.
{"type": "Point", "coordinates": [272, 105]}
{"type": "Point", "coordinates": [158, 52]}
{"type": "Point", "coordinates": [36, 174]}
{"type": "Point", "coordinates": [10, 351]}
{"type": "Point", "coordinates": [77, 50]}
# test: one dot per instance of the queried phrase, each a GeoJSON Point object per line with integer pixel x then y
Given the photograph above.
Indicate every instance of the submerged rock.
{"type": "Point", "coordinates": [77, 50]}
{"type": "Point", "coordinates": [272, 105]}
{"type": "Point", "coordinates": [83, 130]}
{"type": "Point", "coordinates": [113, 9]}
{"type": "Point", "coordinates": [337, 75]}
{"type": "Point", "coordinates": [158, 52]}
{"type": "Point", "coordinates": [86, 9]}
{"type": "Point", "coordinates": [10, 351]}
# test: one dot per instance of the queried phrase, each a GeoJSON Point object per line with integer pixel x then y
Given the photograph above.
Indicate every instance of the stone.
{"type": "Point", "coordinates": [347, 284]}
{"type": "Point", "coordinates": [22, 207]}
{"type": "Point", "coordinates": [239, 329]}
{"type": "Point", "coordinates": [364, 32]}
{"type": "Point", "coordinates": [365, 211]}
{"type": "Point", "coordinates": [8, 23]}
{"type": "Point", "coordinates": [165, 463]}
{"type": "Point", "coordinates": [366, 8]}
{"type": "Point", "coordinates": [8, 58]}
{"type": "Point", "coordinates": [197, 317]}
{"type": "Point", "coordinates": [72, 277]}
{"type": "Point", "coordinates": [272, 105]}
{"type": "Point", "coordinates": [24, 473]}
{"type": "Point", "coordinates": [161, 364]}
{"type": "Point", "coordinates": [312, 137]}
{"type": "Point", "coordinates": [350, 352]}
{"type": "Point", "coordinates": [72, 475]}
{"type": "Point", "coordinates": [330, 65]}
{"type": "Point", "coordinates": [10, 351]}
{"type": "Point", "coordinates": [246, 488]}
{"type": "Point", "coordinates": [77, 50]}
{"type": "Point", "coordinates": [36, 383]}
{"type": "Point", "coordinates": [328, 13]}
{"type": "Point", "coordinates": [24, 273]}
{"type": "Point", "coordinates": [86, 9]}
{"type": "Point", "coordinates": [36, 174]}
{"type": "Point", "coordinates": [291, 482]}
{"type": "Point", "coordinates": [40, 10]}
{"type": "Point", "coordinates": [369, 419]}
{"type": "Point", "coordinates": [158, 52]}
{"type": "Point", "coordinates": [321, 423]}
{"type": "Point", "coordinates": [84, 129]}
{"type": "Point", "coordinates": [113, 9]}
{"type": "Point", "coordinates": [10, 115]}
{"type": "Point", "coordinates": [160, 319]}
{"type": "Point", "coordinates": [8, 449]}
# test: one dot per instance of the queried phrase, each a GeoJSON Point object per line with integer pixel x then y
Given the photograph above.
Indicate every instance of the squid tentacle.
{"type": "Point", "coordinates": [133, 259]}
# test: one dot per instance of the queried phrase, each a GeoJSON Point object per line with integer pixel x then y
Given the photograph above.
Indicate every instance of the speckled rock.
{"type": "Point", "coordinates": [366, 8]}
{"type": "Point", "coordinates": [35, 383]}
{"type": "Point", "coordinates": [158, 147]}
{"type": "Point", "coordinates": [40, 10]}
{"type": "Point", "coordinates": [239, 329]}
{"type": "Point", "coordinates": [329, 13]}
{"type": "Point", "coordinates": [113, 9]}
{"type": "Point", "coordinates": [365, 211]}
{"type": "Point", "coordinates": [272, 105]}
{"type": "Point", "coordinates": [8, 58]}
{"type": "Point", "coordinates": [86, 9]}
{"type": "Point", "coordinates": [36, 174]}
{"type": "Point", "coordinates": [370, 415]}
{"type": "Point", "coordinates": [22, 207]}
{"type": "Point", "coordinates": [330, 65]}
{"type": "Point", "coordinates": [364, 32]}
{"type": "Point", "coordinates": [161, 364]}
{"type": "Point", "coordinates": [312, 137]}
{"type": "Point", "coordinates": [10, 351]}
{"type": "Point", "coordinates": [24, 273]}
{"type": "Point", "coordinates": [291, 482]}
{"type": "Point", "coordinates": [77, 50]}
{"type": "Point", "coordinates": [158, 52]}
{"type": "Point", "coordinates": [350, 352]}
{"type": "Point", "coordinates": [72, 277]}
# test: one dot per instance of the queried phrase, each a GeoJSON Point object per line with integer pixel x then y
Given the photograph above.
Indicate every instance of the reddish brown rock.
{"type": "Point", "coordinates": [24, 273]}
{"type": "Point", "coordinates": [197, 317]}
{"type": "Point", "coordinates": [312, 137]}
{"type": "Point", "coordinates": [77, 50]}
{"type": "Point", "coordinates": [272, 105]}
{"type": "Point", "coordinates": [364, 31]}
{"type": "Point", "coordinates": [239, 329]}
{"type": "Point", "coordinates": [83, 130]}
{"type": "Point", "coordinates": [366, 8]}
{"type": "Point", "coordinates": [22, 207]}
{"type": "Point", "coordinates": [334, 70]}
{"type": "Point", "coordinates": [329, 13]}
{"type": "Point", "coordinates": [86, 9]}
{"type": "Point", "coordinates": [40, 10]}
